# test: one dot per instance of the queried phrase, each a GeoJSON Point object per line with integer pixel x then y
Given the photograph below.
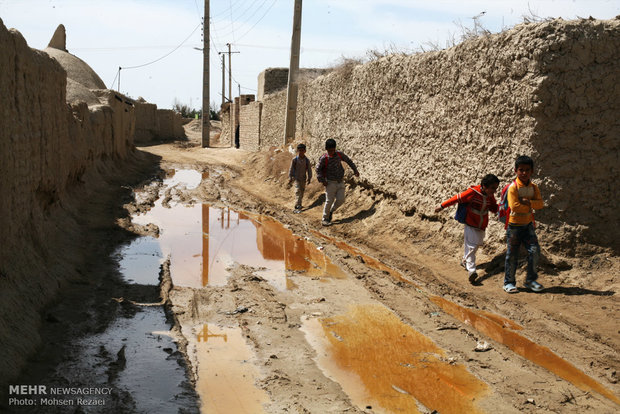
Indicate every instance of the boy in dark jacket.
{"type": "Point", "coordinates": [479, 200]}
{"type": "Point", "coordinates": [330, 173]}
{"type": "Point", "coordinates": [301, 172]}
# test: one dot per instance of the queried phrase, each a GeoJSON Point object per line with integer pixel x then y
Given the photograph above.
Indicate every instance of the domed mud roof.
{"type": "Point", "coordinates": [76, 68]}
{"type": "Point", "coordinates": [77, 92]}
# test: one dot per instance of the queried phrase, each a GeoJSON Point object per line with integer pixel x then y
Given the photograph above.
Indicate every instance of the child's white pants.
{"type": "Point", "coordinates": [334, 197]}
{"type": "Point", "coordinates": [473, 239]}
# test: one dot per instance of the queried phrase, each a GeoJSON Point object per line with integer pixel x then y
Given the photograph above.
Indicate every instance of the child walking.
{"type": "Point", "coordinates": [479, 200]}
{"type": "Point", "coordinates": [330, 173]}
{"type": "Point", "coordinates": [523, 198]}
{"type": "Point", "coordinates": [301, 172]}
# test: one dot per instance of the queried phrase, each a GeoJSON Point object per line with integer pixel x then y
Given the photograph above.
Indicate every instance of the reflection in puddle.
{"type": "Point", "coordinates": [538, 354]}
{"type": "Point", "coordinates": [188, 178]}
{"type": "Point", "coordinates": [140, 260]}
{"type": "Point", "coordinates": [204, 242]}
{"type": "Point", "coordinates": [384, 363]}
{"type": "Point", "coordinates": [497, 328]}
{"type": "Point", "coordinates": [151, 373]}
{"type": "Point", "coordinates": [226, 373]}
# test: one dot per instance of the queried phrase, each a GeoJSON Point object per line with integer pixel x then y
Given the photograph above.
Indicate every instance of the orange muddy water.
{"type": "Point", "coordinates": [499, 329]}
{"type": "Point", "coordinates": [387, 365]}
{"type": "Point", "coordinates": [226, 373]}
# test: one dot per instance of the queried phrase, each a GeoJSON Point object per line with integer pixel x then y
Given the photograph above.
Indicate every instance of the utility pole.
{"type": "Point", "coordinates": [232, 101]}
{"type": "Point", "coordinates": [292, 89]}
{"type": "Point", "coordinates": [206, 123]}
{"type": "Point", "coordinates": [223, 80]}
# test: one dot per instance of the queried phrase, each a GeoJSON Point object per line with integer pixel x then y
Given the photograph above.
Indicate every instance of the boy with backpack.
{"type": "Point", "coordinates": [474, 205]}
{"type": "Point", "coordinates": [301, 172]}
{"type": "Point", "coordinates": [522, 197]}
{"type": "Point", "coordinates": [330, 173]}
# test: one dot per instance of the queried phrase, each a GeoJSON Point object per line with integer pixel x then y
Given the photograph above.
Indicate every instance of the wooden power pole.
{"type": "Point", "coordinates": [293, 70]}
{"type": "Point", "coordinates": [223, 80]}
{"type": "Point", "coordinates": [205, 78]}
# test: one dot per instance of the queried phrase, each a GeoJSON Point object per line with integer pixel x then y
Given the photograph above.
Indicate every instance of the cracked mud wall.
{"type": "Point", "coordinates": [423, 127]}
{"type": "Point", "coordinates": [47, 148]}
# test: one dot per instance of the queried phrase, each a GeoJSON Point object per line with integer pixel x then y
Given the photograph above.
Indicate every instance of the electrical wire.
{"type": "Point", "coordinates": [232, 32]}
{"type": "Point", "coordinates": [167, 54]}
{"type": "Point", "coordinates": [259, 20]}
{"type": "Point", "coordinates": [231, 22]}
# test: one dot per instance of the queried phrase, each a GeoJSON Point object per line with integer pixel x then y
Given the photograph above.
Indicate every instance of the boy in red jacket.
{"type": "Point", "coordinates": [479, 200]}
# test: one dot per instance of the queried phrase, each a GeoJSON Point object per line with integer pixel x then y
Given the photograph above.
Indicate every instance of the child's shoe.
{"type": "Point", "coordinates": [510, 288]}
{"type": "Point", "coordinates": [472, 277]}
{"type": "Point", "coordinates": [534, 286]}
{"type": "Point", "coordinates": [326, 223]}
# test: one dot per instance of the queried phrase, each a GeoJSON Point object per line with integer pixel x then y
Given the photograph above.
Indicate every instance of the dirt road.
{"type": "Point", "coordinates": [399, 329]}
{"type": "Point", "coordinates": [273, 313]}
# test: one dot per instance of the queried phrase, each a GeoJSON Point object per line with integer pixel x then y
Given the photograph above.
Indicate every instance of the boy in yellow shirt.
{"type": "Point", "coordinates": [523, 198]}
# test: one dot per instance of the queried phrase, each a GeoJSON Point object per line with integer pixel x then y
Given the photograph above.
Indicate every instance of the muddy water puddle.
{"type": "Point", "coordinates": [226, 371]}
{"type": "Point", "coordinates": [204, 242]}
{"type": "Point", "coordinates": [138, 360]}
{"type": "Point", "coordinates": [496, 327]}
{"type": "Point", "coordinates": [528, 349]}
{"type": "Point", "coordinates": [387, 365]}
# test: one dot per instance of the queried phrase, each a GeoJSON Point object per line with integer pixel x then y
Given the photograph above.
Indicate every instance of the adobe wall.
{"type": "Point", "coordinates": [154, 124]}
{"type": "Point", "coordinates": [170, 124]}
{"type": "Point", "coordinates": [273, 80]}
{"type": "Point", "coordinates": [423, 127]}
{"type": "Point", "coordinates": [249, 121]}
{"type": "Point", "coordinates": [46, 148]}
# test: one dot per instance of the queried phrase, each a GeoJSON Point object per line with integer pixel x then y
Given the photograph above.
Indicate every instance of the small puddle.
{"type": "Point", "coordinates": [189, 178]}
{"type": "Point", "coordinates": [497, 328]}
{"type": "Point", "coordinates": [204, 242]}
{"type": "Point", "coordinates": [538, 354]}
{"type": "Point", "coordinates": [383, 363]}
{"type": "Point", "coordinates": [226, 371]}
{"type": "Point", "coordinates": [368, 260]}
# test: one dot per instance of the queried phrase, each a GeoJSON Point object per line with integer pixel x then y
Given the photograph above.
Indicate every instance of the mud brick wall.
{"type": "Point", "coordinates": [156, 124]}
{"type": "Point", "coordinates": [225, 135]}
{"type": "Point", "coordinates": [147, 128]}
{"type": "Point", "coordinates": [423, 127]}
{"type": "Point", "coordinates": [46, 147]}
{"type": "Point", "coordinates": [249, 126]}
{"type": "Point", "coordinates": [170, 124]}
{"type": "Point", "coordinates": [271, 80]}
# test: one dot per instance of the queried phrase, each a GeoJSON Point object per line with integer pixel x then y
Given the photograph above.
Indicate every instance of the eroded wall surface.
{"type": "Point", "coordinates": [424, 127]}
{"type": "Point", "coordinates": [46, 146]}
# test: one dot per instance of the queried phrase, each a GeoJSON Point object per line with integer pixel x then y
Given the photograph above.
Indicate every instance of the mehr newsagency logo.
{"type": "Point", "coordinates": [43, 395]}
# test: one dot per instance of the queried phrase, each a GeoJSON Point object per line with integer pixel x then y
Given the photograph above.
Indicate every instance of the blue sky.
{"type": "Point", "coordinates": [112, 33]}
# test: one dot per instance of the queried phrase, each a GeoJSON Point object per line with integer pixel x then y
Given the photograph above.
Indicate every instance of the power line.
{"type": "Point", "coordinates": [232, 31]}
{"type": "Point", "coordinates": [167, 54]}
{"type": "Point", "coordinates": [232, 27]}
{"type": "Point", "coordinates": [226, 10]}
{"type": "Point", "coordinates": [243, 35]}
